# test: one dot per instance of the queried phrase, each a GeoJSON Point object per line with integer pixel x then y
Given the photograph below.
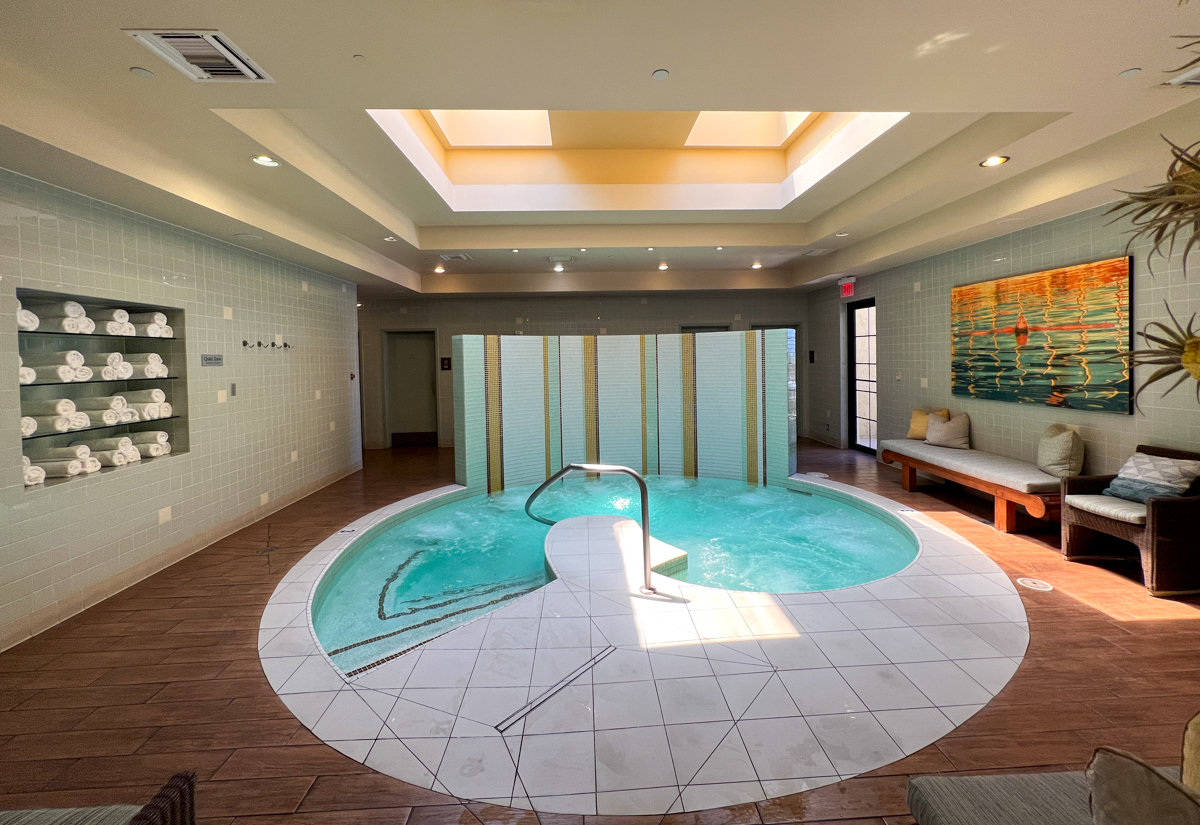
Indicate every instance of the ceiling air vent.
{"type": "Point", "coordinates": [202, 55]}
{"type": "Point", "coordinates": [816, 253]}
{"type": "Point", "coordinates": [455, 256]}
{"type": "Point", "coordinates": [561, 259]}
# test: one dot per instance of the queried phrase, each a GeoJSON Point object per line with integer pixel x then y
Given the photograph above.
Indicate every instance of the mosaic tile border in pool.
{"type": "Point", "coordinates": [586, 697]}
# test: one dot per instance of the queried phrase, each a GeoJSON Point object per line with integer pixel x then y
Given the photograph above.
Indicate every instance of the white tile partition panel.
{"type": "Point", "coordinates": [64, 547]}
{"type": "Point", "coordinates": [523, 399]}
{"type": "Point", "coordinates": [721, 405]}
{"type": "Point", "coordinates": [574, 443]}
{"type": "Point", "coordinates": [619, 380]}
{"type": "Point", "coordinates": [670, 405]}
{"type": "Point", "coordinates": [590, 697]}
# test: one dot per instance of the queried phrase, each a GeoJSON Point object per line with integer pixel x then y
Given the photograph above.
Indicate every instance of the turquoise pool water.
{"type": "Point", "coordinates": [434, 571]}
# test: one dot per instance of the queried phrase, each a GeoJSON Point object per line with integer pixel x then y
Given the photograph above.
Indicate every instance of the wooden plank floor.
{"type": "Point", "coordinates": [165, 677]}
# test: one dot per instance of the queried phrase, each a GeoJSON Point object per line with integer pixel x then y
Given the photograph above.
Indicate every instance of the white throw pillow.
{"type": "Point", "coordinates": [955, 433]}
{"type": "Point", "coordinates": [1060, 452]}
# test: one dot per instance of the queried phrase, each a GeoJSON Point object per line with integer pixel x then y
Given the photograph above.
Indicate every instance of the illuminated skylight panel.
{"type": "Point", "coordinates": [494, 127]}
{"type": "Point", "coordinates": [745, 129]}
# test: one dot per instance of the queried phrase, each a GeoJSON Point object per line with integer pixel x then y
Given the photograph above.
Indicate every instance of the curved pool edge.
{"type": "Point", "coordinates": [353, 721]}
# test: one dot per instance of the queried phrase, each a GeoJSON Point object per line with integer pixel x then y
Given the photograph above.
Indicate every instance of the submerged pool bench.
{"type": "Point", "coordinates": [1010, 481]}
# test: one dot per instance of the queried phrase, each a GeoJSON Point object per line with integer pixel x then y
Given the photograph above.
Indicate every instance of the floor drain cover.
{"type": "Point", "coordinates": [818, 475]}
{"type": "Point", "coordinates": [1035, 584]}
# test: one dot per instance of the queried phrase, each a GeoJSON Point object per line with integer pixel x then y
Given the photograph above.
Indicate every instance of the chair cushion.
{"type": "Point", "coordinates": [1133, 512]}
{"type": "Point", "coordinates": [1127, 791]}
{"type": "Point", "coordinates": [1145, 476]}
{"type": "Point", "coordinates": [955, 433]}
{"type": "Point", "coordinates": [917, 426]}
{"type": "Point", "coordinates": [105, 815]}
{"type": "Point", "coordinates": [1059, 798]}
{"type": "Point", "coordinates": [1060, 452]}
{"type": "Point", "coordinates": [1007, 472]}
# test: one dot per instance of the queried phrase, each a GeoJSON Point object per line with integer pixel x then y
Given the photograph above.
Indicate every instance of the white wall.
{"type": "Point", "coordinates": [65, 547]}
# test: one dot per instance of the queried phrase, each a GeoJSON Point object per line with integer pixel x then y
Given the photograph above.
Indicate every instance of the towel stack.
{"type": "Point", "coordinates": [25, 375]}
{"type": "Point", "coordinates": [152, 443]}
{"type": "Point", "coordinates": [74, 318]}
{"type": "Point", "coordinates": [147, 365]}
{"type": "Point", "coordinates": [26, 320]}
{"type": "Point", "coordinates": [56, 367]}
{"type": "Point", "coordinates": [122, 450]}
{"type": "Point", "coordinates": [65, 316]}
{"type": "Point", "coordinates": [73, 366]}
{"type": "Point", "coordinates": [33, 473]}
{"type": "Point", "coordinates": [152, 325]}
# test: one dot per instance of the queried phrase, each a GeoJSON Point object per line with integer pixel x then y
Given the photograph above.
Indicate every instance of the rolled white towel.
{"type": "Point", "coordinates": [113, 328]}
{"type": "Point", "coordinates": [27, 320]}
{"type": "Point", "coordinates": [109, 418]}
{"type": "Point", "coordinates": [165, 410]}
{"type": "Point", "coordinates": [154, 396]}
{"type": "Point", "coordinates": [117, 442]}
{"type": "Point", "coordinates": [167, 331]}
{"type": "Point", "coordinates": [86, 325]}
{"type": "Point", "coordinates": [57, 406]}
{"type": "Point", "coordinates": [131, 455]}
{"type": "Point", "coordinates": [149, 437]}
{"type": "Point", "coordinates": [61, 324]}
{"type": "Point", "coordinates": [167, 448]}
{"type": "Point", "coordinates": [150, 450]}
{"type": "Point", "coordinates": [61, 374]}
{"type": "Point", "coordinates": [143, 358]}
{"type": "Point", "coordinates": [80, 420]}
{"type": "Point", "coordinates": [148, 330]}
{"type": "Point", "coordinates": [128, 329]}
{"type": "Point", "coordinates": [70, 357]}
{"type": "Point", "coordinates": [107, 373]}
{"type": "Point", "coordinates": [52, 423]}
{"type": "Point", "coordinates": [90, 465]}
{"type": "Point", "coordinates": [29, 426]}
{"type": "Point", "coordinates": [101, 402]}
{"type": "Point", "coordinates": [161, 371]}
{"type": "Point", "coordinates": [34, 475]}
{"type": "Point", "coordinates": [102, 359]}
{"type": "Point", "coordinates": [61, 469]}
{"type": "Point", "coordinates": [158, 318]}
{"type": "Point", "coordinates": [79, 451]}
{"type": "Point", "coordinates": [147, 370]}
{"type": "Point", "coordinates": [128, 416]}
{"type": "Point", "coordinates": [124, 370]}
{"type": "Point", "coordinates": [26, 375]}
{"type": "Point", "coordinates": [84, 374]}
{"type": "Point", "coordinates": [24, 459]}
{"type": "Point", "coordinates": [146, 412]}
{"type": "Point", "coordinates": [111, 458]}
{"type": "Point", "coordinates": [119, 315]}
{"type": "Point", "coordinates": [65, 309]}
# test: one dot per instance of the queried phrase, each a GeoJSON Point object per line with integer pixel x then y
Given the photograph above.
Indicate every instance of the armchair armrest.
{"type": "Point", "coordinates": [1173, 517]}
{"type": "Point", "coordinates": [1085, 485]}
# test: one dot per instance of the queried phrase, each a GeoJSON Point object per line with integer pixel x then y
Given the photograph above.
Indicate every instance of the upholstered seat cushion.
{"type": "Point", "coordinates": [1007, 472]}
{"type": "Point", "coordinates": [1133, 512]}
{"type": "Point", "coordinates": [105, 815]}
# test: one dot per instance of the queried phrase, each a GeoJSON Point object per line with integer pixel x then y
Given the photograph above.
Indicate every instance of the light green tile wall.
{"type": "Point", "coordinates": [470, 413]}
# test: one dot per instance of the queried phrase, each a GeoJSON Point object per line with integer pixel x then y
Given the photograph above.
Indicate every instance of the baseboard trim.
{"type": "Point", "coordinates": [44, 618]}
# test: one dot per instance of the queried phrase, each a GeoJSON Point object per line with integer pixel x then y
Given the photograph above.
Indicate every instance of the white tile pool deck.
{"type": "Point", "coordinates": [588, 697]}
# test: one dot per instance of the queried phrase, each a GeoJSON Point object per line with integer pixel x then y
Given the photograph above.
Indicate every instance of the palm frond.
{"type": "Point", "coordinates": [1167, 214]}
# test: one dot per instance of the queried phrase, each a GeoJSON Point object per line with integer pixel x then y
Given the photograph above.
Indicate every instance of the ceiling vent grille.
{"type": "Point", "coordinates": [202, 55]}
{"type": "Point", "coordinates": [561, 259]}
{"type": "Point", "coordinates": [816, 253]}
{"type": "Point", "coordinates": [455, 256]}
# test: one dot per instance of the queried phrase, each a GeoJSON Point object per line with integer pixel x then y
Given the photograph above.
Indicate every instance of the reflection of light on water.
{"type": "Point", "coordinates": [621, 503]}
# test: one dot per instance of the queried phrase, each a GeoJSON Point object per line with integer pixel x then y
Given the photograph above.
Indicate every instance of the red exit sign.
{"type": "Point", "coordinates": [848, 289]}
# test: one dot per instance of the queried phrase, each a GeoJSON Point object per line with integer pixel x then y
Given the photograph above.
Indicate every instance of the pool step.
{"type": "Point", "coordinates": [522, 712]}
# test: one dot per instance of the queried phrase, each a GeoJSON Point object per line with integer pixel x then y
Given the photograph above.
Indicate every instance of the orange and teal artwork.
{"type": "Point", "coordinates": [1052, 338]}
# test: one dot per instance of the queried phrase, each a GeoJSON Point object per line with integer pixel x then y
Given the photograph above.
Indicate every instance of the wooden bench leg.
{"type": "Point", "coordinates": [1006, 515]}
{"type": "Point", "coordinates": [908, 478]}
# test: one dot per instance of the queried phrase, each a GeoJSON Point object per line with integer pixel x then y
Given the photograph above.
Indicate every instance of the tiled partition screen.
{"type": "Point", "coordinates": [718, 404]}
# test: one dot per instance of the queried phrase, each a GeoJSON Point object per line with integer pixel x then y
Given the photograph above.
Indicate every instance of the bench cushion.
{"type": "Point", "coordinates": [1132, 512]}
{"type": "Point", "coordinates": [1007, 472]}
{"type": "Point", "coordinates": [105, 815]}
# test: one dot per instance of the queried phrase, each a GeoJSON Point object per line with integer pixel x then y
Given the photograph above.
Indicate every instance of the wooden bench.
{"type": "Point", "coordinates": [1040, 504]}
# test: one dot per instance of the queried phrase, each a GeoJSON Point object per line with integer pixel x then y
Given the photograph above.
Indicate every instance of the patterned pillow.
{"type": "Point", "coordinates": [1151, 476]}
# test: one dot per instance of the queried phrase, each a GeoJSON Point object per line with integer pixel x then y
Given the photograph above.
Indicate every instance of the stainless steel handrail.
{"type": "Point", "coordinates": [605, 468]}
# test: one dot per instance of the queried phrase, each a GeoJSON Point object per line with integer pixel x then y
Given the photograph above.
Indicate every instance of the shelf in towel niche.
{"type": "Point", "coordinates": [103, 471]}
{"type": "Point", "coordinates": [36, 436]}
{"type": "Point", "coordinates": [61, 334]}
{"type": "Point", "coordinates": [101, 381]}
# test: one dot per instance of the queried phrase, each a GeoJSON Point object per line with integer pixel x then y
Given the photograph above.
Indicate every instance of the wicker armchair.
{"type": "Point", "coordinates": [1168, 542]}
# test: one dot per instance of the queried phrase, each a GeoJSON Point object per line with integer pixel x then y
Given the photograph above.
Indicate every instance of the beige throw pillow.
{"type": "Point", "coordinates": [920, 421]}
{"type": "Point", "coordinates": [1060, 452]}
{"type": "Point", "coordinates": [1127, 791]}
{"type": "Point", "coordinates": [1190, 772]}
{"type": "Point", "coordinates": [954, 433]}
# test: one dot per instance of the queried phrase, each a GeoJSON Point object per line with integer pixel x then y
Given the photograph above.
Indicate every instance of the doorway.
{"type": "Point", "coordinates": [410, 388]}
{"type": "Point", "coordinates": [863, 406]}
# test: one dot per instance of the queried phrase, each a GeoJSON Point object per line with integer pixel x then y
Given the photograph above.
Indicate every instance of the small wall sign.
{"type": "Point", "coordinates": [445, 363]}
{"type": "Point", "coordinates": [212, 360]}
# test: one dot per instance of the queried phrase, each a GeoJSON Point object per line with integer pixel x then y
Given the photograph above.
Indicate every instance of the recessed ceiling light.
{"type": "Point", "coordinates": [649, 249]}
{"type": "Point", "coordinates": [719, 248]}
{"type": "Point", "coordinates": [265, 160]}
{"type": "Point", "coordinates": [660, 74]}
{"type": "Point", "coordinates": [439, 269]}
{"type": "Point", "coordinates": [841, 234]}
{"type": "Point", "coordinates": [756, 265]}
{"type": "Point", "coordinates": [583, 249]}
{"type": "Point", "coordinates": [360, 305]}
{"type": "Point", "coordinates": [516, 250]}
{"type": "Point", "coordinates": [390, 239]}
{"type": "Point", "coordinates": [662, 266]}
{"type": "Point", "coordinates": [140, 72]}
{"type": "Point", "coordinates": [1128, 73]}
{"type": "Point", "coordinates": [558, 267]}
{"type": "Point", "coordinates": [995, 160]}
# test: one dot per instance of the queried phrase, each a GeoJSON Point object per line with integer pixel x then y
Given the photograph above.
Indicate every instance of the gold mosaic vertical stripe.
{"type": "Point", "coordinates": [546, 396]}
{"type": "Point", "coordinates": [645, 440]}
{"type": "Point", "coordinates": [688, 365]}
{"type": "Point", "coordinates": [751, 408]}
{"type": "Point", "coordinates": [763, 405]}
{"type": "Point", "coordinates": [591, 401]}
{"type": "Point", "coordinates": [495, 419]}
